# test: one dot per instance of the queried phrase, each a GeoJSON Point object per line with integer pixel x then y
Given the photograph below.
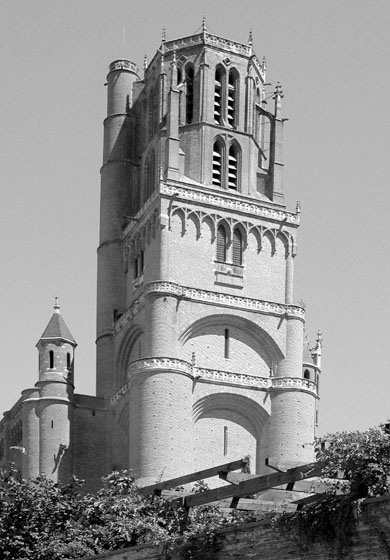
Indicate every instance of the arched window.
{"type": "Point", "coordinates": [233, 167]}
{"type": "Point", "coordinates": [218, 95]}
{"type": "Point", "coordinates": [232, 98]}
{"type": "Point", "coordinates": [237, 247]}
{"type": "Point", "coordinates": [306, 374]}
{"type": "Point", "coordinates": [189, 93]}
{"type": "Point", "coordinates": [51, 359]}
{"type": "Point", "coordinates": [221, 244]}
{"type": "Point", "coordinates": [217, 163]}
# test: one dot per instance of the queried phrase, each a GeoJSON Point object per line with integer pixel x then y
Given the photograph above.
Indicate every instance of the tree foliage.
{"type": "Point", "coordinates": [40, 520]}
{"type": "Point", "coordinates": [355, 465]}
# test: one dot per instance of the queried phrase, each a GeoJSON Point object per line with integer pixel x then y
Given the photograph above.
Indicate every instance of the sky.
{"type": "Point", "coordinates": [332, 59]}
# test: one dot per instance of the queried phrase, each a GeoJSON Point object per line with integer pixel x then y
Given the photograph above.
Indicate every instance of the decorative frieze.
{"type": "Point", "coordinates": [226, 300]}
{"type": "Point", "coordinates": [175, 365]}
{"type": "Point", "coordinates": [218, 201]}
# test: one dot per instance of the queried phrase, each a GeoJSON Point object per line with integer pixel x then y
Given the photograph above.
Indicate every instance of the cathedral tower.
{"type": "Point", "coordinates": [199, 344]}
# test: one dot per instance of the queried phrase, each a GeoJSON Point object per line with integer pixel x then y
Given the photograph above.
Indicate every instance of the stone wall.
{"type": "Point", "coordinates": [259, 541]}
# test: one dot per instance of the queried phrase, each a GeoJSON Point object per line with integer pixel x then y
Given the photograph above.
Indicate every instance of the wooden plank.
{"type": "Point", "coordinates": [253, 486]}
{"type": "Point", "coordinates": [193, 477]}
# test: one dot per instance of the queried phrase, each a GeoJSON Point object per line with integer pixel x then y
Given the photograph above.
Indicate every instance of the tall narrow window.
{"type": "Point", "coordinates": [227, 343]}
{"type": "Point", "coordinates": [51, 359]}
{"type": "Point", "coordinates": [225, 440]}
{"type": "Point", "coordinates": [189, 94]}
{"type": "Point", "coordinates": [218, 96]}
{"type": "Point", "coordinates": [67, 360]}
{"type": "Point", "coordinates": [232, 98]}
{"type": "Point", "coordinates": [237, 247]}
{"type": "Point", "coordinates": [233, 168]}
{"type": "Point", "coordinates": [221, 244]}
{"type": "Point", "coordinates": [217, 163]}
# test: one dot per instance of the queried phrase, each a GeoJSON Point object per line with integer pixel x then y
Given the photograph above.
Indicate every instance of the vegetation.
{"type": "Point", "coordinates": [355, 465]}
{"type": "Point", "coordinates": [40, 520]}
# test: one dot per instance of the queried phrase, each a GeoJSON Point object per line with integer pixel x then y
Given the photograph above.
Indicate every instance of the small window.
{"type": "Point", "coordinates": [51, 359]}
{"type": "Point", "coordinates": [306, 374]}
{"type": "Point", "coordinates": [227, 343]}
{"type": "Point", "coordinates": [225, 440]}
{"type": "Point", "coordinates": [237, 247]}
{"type": "Point", "coordinates": [221, 244]}
{"type": "Point", "coordinates": [68, 362]}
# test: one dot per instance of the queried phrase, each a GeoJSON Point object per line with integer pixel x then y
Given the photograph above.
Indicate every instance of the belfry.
{"type": "Point", "coordinates": [199, 344]}
{"type": "Point", "coordinates": [201, 352]}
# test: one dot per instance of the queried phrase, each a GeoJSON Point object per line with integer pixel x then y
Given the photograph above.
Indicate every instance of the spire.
{"type": "Point", "coordinates": [317, 350]}
{"type": "Point", "coordinates": [163, 35]}
{"type": "Point", "coordinates": [174, 70]}
{"type": "Point", "coordinates": [250, 40]}
{"type": "Point", "coordinates": [56, 327]}
{"type": "Point", "coordinates": [278, 96]}
{"type": "Point", "coordinates": [204, 25]}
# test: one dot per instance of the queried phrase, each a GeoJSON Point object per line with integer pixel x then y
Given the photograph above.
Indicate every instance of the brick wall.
{"type": "Point", "coordinates": [259, 541]}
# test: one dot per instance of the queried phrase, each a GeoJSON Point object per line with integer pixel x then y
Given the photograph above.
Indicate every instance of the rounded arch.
{"type": "Point", "coordinates": [254, 416]}
{"type": "Point", "coordinates": [244, 330]}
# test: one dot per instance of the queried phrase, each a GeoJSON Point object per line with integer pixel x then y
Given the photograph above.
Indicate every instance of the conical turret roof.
{"type": "Point", "coordinates": [57, 328]}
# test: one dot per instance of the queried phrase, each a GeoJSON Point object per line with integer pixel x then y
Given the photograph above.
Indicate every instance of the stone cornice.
{"type": "Point", "coordinates": [205, 375]}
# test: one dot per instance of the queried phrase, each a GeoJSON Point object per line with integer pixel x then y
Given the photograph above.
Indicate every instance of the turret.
{"type": "Point", "coordinates": [117, 192]}
{"type": "Point", "coordinates": [48, 408]}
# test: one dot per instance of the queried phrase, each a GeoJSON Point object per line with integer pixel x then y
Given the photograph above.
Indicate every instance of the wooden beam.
{"type": "Point", "coordinates": [193, 477]}
{"type": "Point", "coordinates": [253, 486]}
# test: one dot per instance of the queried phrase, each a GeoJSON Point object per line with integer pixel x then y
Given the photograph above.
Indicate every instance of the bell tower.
{"type": "Point", "coordinates": [199, 344]}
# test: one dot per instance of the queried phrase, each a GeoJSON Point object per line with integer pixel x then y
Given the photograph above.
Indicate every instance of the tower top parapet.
{"type": "Point", "coordinates": [124, 65]}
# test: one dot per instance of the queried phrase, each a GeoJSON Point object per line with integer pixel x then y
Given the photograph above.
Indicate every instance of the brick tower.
{"type": "Point", "coordinates": [48, 407]}
{"type": "Point", "coordinates": [199, 344]}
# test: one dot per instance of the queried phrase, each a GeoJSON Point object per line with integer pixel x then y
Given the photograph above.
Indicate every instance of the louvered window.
{"type": "Point", "coordinates": [189, 94]}
{"type": "Point", "coordinates": [232, 168]}
{"type": "Point", "coordinates": [217, 164]}
{"type": "Point", "coordinates": [221, 244]}
{"type": "Point", "coordinates": [232, 98]}
{"type": "Point", "coordinates": [218, 92]}
{"type": "Point", "coordinates": [237, 247]}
